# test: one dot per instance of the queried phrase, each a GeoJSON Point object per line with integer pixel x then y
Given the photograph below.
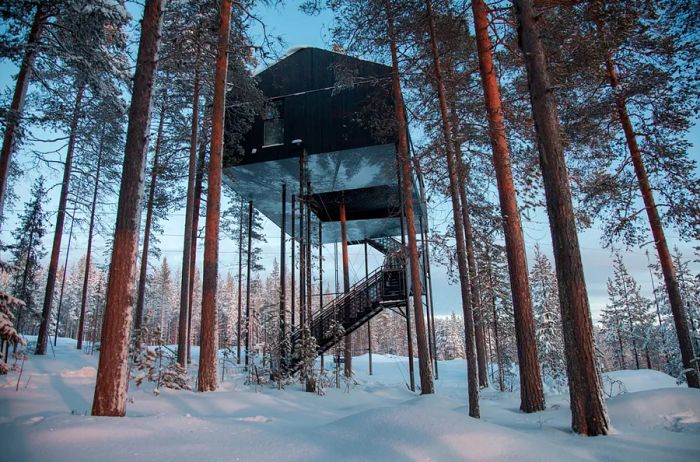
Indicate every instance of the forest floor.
{"type": "Point", "coordinates": [378, 419]}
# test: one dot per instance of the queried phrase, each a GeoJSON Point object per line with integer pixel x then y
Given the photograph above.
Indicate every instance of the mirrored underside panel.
{"type": "Point", "coordinates": [365, 179]}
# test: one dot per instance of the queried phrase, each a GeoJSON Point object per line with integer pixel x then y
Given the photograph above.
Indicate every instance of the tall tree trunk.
{"type": "Point", "coordinates": [240, 284]}
{"type": "Point", "coordinates": [110, 387]}
{"type": "Point", "coordinates": [141, 294]}
{"type": "Point", "coordinates": [472, 372]}
{"type": "Point", "coordinates": [622, 349]}
{"type": "Point", "coordinates": [680, 319]}
{"type": "Point", "coordinates": [63, 277]}
{"type": "Point", "coordinates": [424, 363]}
{"type": "Point", "coordinates": [42, 339]}
{"type": "Point", "coordinates": [201, 159]}
{"type": "Point", "coordinates": [88, 255]}
{"type": "Point", "coordinates": [207, 361]}
{"type": "Point", "coordinates": [531, 393]}
{"type": "Point", "coordinates": [471, 260]}
{"type": "Point", "coordinates": [182, 331]}
{"type": "Point", "coordinates": [13, 116]}
{"type": "Point", "coordinates": [588, 412]}
{"type": "Point", "coordinates": [475, 293]}
{"type": "Point", "coordinates": [499, 360]}
{"type": "Point", "coordinates": [249, 254]}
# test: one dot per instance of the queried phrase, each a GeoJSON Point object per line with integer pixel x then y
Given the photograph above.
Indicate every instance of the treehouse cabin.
{"type": "Point", "coordinates": [333, 113]}
{"type": "Point", "coordinates": [324, 153]}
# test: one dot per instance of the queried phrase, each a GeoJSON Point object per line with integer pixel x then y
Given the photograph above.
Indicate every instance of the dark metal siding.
{"type": "Point", "coordinates": [325, 119]}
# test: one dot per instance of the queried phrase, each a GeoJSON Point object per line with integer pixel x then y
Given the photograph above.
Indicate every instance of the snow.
{"type": "Point", "coordinates": [290, 51]}
{"type": "Point", "coordinates": [379, 419]}
{"type": "Point", "coordinates": [85, 372]}
{"type": "Point", "coordinates": [643, 380]}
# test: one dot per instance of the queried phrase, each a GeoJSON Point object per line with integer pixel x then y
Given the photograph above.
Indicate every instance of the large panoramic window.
{"type": "Point", "coordinates": [273, 124]}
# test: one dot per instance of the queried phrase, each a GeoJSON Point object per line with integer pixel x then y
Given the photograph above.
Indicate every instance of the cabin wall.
{"type": "Point", "coordinates": [327, 119]}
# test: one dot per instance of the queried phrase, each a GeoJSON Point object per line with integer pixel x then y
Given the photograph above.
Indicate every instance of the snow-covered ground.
{"type": "Point", "coordinates": [379, 419]}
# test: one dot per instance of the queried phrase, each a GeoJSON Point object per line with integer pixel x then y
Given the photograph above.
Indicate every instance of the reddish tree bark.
{"type": "Point", "coordinates": [141, 294]}
{"type": "Point", "coordinates": [472, 369]}
{"type": "Point", "coordinates": [531, 393]}
{"type": "Point", "coordinates": [13, 116]}
{"type": "Point", "coordinates": [110, 387]}
{"type": "Point", "coordinates": [424, 363]}
{"type": "Point", "coordinates": [588, 412]}
{"type": "Point", "coordinates": [42, 338]}
{"type": "Point", "coordinates": [183, 329]}
{"type": "Point", "coordinates": [680, 319]}
{"type": "Point", "coordinates": [207, 380]}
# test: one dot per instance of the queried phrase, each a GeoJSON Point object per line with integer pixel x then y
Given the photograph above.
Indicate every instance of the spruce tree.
{"type": "Point", "coordinates": [28, 251]}
{"type": "Point", "coordinates": [545, 304]}
{"type": "Point", "coordinates": [627, 319]}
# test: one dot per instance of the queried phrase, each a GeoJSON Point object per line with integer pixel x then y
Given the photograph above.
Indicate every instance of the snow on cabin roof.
{"type": "Point", "coordinates": [294, 49]}
{"type": "Point", "coordinates": [284, 56]}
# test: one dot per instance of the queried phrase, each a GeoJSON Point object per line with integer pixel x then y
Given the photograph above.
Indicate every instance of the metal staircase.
{"type": "Point", "coordinates": [383, 288]}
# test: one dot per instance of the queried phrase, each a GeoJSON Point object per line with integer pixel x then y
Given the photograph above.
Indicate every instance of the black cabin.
{"type": "Point", "coordinates": [336, 112]}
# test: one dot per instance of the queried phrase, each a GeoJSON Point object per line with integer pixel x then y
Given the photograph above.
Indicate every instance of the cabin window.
{"type": "Point", "coordinates": [273, 124]}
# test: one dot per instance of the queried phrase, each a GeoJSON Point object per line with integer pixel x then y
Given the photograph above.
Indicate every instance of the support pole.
{"type": "Point", "coordinates": [302, 241]}
{"type": "Point", "coordinates": [302, 262]}
{"type": "Point", "coordinates": [369, 321]}
{"type": "Point", "coordinates": [406, 280]}
{"type": "Point", "coordinates": [247, 291]}
{"type": "Point", "coordinates": [346, 285]}
{"type": "Point", "coordinates": [240, 285]}
{"type": "Point", "coordinates": [424, 283]}
{"type": "Point", "coordinates": [429, 284]}
{"type": "Point", "coordinates": [63, 281]}
{"type": "Point", "coordinates": [293, 262]}
{"type": "Point", "coordinates": [309, 265]}
{"type": "Point", "coordinates": [283, 281]}
{"type": "Point", "coordinates": [320, 280]}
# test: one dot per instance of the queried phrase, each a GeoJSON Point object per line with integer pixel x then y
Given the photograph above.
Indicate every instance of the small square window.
{"type": "Point", "coordinates": [273, 124]}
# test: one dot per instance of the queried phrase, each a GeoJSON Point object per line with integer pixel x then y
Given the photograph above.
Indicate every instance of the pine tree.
{"type": "Point", "coordinates": [31, 49]}
{"type": "Point", "coordinates": [639, 59]}
{"type": "Point", "coordinates": [106, 144]}
{"type": "Point", "coordinates": [207, 378]}
{"type": "Point", "coordinates": [454, 338]}
{"type": "Point", "coordinates": [97, 54]}
{"type": "Point", "coordinates": [531, 394]}
{"type": "Point", "coordinates": [161, 300]}
{"type": "Point", "coordinates": [225, 309]}
{"type": "Point", "coordinates": [588, 411]}
{"type": "Point", "coordinates": [689, 287]}
{"type": "Point", "coordinates": [8, 334]}
{"type": "Point", "coordinates": [28, 251]}
{"type": "Point", "coordinates": [627, 320]}
{"type": "Point", "coordinates": [110, 388]}
{"type": "Point", "coordinates": [306, 352]}
{"type": "Point", "coordinates": [545, 303]}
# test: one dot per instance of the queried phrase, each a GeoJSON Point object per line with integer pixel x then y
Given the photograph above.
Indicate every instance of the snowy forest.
{"type": "Point", "coordinates": [138, 278]}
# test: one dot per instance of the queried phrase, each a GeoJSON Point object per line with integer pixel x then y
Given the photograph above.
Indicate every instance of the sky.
{"type": "Point", "coordinates": [296, 29]}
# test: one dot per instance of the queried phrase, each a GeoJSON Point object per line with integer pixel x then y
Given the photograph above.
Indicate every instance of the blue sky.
{"type": "Point", "coordinates": [296, 29]}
